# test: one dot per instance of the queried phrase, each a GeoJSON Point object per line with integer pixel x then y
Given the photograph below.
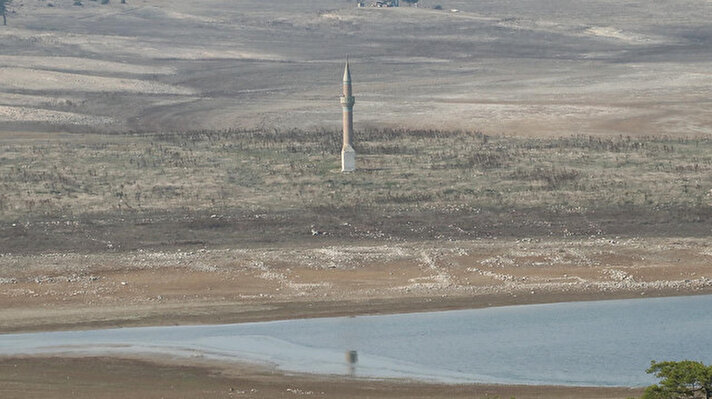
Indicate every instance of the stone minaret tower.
{"type": "Point", "coordinates": [348, 155]}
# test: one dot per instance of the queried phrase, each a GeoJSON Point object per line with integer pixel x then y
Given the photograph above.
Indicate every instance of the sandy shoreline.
{"type": "Point", "coordinates": [161, 376]}
{"type": "Point", "coordinates": [94, 375]}
{"type": "Point", "coordinates": [66, 291]}
{"type": "Point", "coordinates": [89, 377]}
{"type": "Point", "coordinates": [87, 318]}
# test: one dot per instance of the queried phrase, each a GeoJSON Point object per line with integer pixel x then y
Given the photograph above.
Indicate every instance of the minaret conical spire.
{"type": "Point", "coordinates": [347, 71]}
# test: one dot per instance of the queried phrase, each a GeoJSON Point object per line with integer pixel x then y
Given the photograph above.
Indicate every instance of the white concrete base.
{"type": "Point", "coordinates": [348, 159]}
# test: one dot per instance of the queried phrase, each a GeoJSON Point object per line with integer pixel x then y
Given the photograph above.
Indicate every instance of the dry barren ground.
{"type": "Point", "coordinates": [525, 68]}
{"type": "Point", "coordinates": [111, 378]}
{"type": "Point", "coordinates": [229, 285]}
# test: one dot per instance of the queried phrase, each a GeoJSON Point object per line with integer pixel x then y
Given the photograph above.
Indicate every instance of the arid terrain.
{"type": "Point", "coordinates": [113, 378]}
{"type": "Point", "coordinates": [173, 162]}
{"type": "Point", "coordinates": [232, 285]}
{"type": "Point", "coordinates": [503, 67]}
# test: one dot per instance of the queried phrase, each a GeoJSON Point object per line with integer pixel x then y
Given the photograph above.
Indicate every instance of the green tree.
{"type": "Point", "coordinates": [680, 380]}
{"type": "Point", "coordinates": [3, 10]}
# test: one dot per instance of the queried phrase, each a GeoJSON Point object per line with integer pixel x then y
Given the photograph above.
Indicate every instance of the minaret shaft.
{"type": "Point", "coordinates": [348, 155]}
{"type": "Point", "coordinates": [348, 119]}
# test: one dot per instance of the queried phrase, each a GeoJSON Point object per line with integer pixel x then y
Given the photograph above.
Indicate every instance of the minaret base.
{"type": "Point", "coordinates": [348, 159]}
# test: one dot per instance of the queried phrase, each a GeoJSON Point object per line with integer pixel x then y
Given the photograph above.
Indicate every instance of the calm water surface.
{"type": "Point", "coordinates": [605, 343]}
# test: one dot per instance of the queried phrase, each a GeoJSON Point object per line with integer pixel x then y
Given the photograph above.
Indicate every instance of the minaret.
{"type": "Point", "coordinates": [348, 155]}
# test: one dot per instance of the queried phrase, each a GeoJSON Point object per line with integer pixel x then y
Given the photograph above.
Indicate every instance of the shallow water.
{"type": "Point", "coordinates": [604, 343]}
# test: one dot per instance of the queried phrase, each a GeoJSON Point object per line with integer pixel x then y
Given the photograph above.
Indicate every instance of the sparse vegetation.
{"type": "Point", "coordinates": [273, 170]}
{"type": "Point", "coordinates": [472, 184]}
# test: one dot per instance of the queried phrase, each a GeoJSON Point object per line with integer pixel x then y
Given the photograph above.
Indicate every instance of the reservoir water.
{"type": "Point", "coordinates": [603, 343]}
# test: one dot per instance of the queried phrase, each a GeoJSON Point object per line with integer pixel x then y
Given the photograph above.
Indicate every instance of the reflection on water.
{"type": "Point", "coordinates": [603, 343]}
{"type": "Point", "coordinates": [351, 359]}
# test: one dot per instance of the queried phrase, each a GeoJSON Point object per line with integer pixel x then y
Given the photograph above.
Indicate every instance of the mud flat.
{"type": "Point", "coordinates": [36, 377]}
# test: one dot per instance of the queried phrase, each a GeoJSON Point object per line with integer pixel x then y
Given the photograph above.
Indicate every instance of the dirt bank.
{"type": "Point", "coordinates": [115, 378]}
{"type": "Point", "coordinates": [78, 290]}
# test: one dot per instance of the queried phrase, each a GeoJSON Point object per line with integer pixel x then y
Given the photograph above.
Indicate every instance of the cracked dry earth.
{"type": "Point", "coordinates": [69, 290]}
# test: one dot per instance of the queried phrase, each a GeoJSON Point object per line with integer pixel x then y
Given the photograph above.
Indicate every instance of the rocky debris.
{"type": "Point", "coordinates": [315, 232]}
{"type": "Point", "coordinates": [618, 275]}
{"type": "Point", "coordinates": [298, 391]}
{"type": "Point", "coordinates": [72, 278]}
{"type": "Point", "coordinates": [498, 261]}
{"type": "Point", "coordinates": [340, 272]}
{"type": "Point", "coordinates": [496, 276]}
